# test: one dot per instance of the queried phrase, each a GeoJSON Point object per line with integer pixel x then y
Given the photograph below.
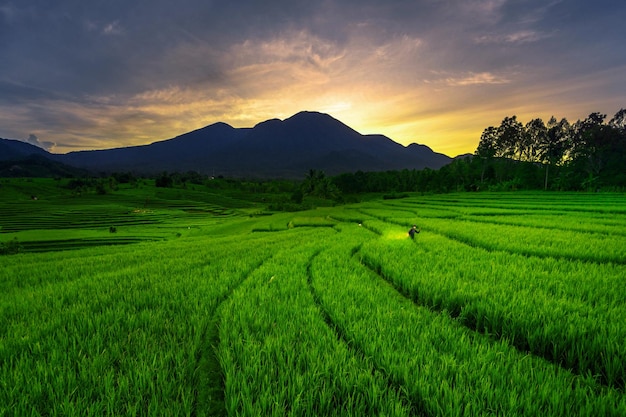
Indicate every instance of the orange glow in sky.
{"type": "Point", "coordinates": [433, 73]}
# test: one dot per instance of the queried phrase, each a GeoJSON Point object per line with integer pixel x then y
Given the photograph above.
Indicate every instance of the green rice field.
{"type": "Point", "coordinates": [172, 302]}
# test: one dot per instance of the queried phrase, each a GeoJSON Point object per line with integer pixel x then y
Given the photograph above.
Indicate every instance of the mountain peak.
{"type": "Point", "coordinates": [319, 124]}
{"type": "Point", "coordinates": [309, 113]}
{"type": "Point", "coordinates": [221, 125]}
{"type": "Point", "coordinates": [311, 116]}
{"type": "Point", "coordinates": [273, 148]}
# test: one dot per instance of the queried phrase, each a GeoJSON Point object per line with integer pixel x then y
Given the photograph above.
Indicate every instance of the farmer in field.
{"type": "Point", "coordinates": [413, 231]}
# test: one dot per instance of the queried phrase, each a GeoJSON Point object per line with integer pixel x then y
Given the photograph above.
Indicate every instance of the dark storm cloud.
{"type": "Point", "coordinates": [92, 47]}
{"type": "Point", "coordinates": [15, 93]}
{"type": "Point", "coordinates": [121, 46]}
{"type": "Point", "coordinates": [124, 47]}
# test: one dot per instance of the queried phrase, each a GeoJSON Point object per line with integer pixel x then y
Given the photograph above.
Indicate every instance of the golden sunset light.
{"type": "Point", "coordinates": [417, 72]}
{"type": "Point", "coordinates": [264, 208]}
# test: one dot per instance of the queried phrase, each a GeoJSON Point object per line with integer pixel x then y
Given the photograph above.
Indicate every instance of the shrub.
{"type": "Point", "coordinates": [10, 247]}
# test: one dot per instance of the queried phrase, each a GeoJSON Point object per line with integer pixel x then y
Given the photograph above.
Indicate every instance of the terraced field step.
{"type": "Point", "coordinates": [67, 244]}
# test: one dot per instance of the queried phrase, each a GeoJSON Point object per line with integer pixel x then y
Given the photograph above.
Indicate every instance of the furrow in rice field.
{"type": "Point", "coordinates": [209, 396]}
{"type": "Point", "coordinates": [525, 240]}
{"type": "Point", "coordinates": [414, 410]}
{"type": "Point", "coordinates": [126, 339]}
{"type": "Point", "coordinates": [505, 304]}
{"type": "Point", "coordinates": [444, 368]}
{"type": "Point", "coordinates": [279, 356]}
{"type": "Point", "coordinates": [529, 302]}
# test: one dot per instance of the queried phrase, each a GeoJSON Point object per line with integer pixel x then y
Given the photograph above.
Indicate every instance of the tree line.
{"type": "Point", "coordinates": [590, 150]}
{"type": "Point", "coordinates": [587, 155]}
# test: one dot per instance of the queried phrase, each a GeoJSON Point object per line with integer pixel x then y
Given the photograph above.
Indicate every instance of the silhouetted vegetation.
{"type": "Point", "coordinates": [10, 247]}
{"type": "Point", "coordinates": [37, 166]}
{"type": "Point", "coordinates": [588, 155]}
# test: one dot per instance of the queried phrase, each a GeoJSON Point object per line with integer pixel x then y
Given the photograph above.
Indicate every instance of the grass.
{"type": "Point", "coordinates": [504, 304]}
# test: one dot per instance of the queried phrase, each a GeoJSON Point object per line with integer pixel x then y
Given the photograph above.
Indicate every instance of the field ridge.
{"type": "Point", "coordinates": [456, 314]}
{"type": "Point", "coordinates": [331, 311]}
{"type": "Point", "coordinates": [617, 257]}
{"type": "Point", "coordinates": [209, 400]}
{"type": "Point", "coordinates": [356, 349]}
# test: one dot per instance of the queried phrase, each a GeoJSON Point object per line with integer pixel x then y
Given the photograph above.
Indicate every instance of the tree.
{"type": "Point", "coordinates": [591, 140]}
{"type": "Point", "coordinates": [588, 153]}
{"type": "Point", "coordinates": [311, 180]}
{"type": "Point", "coordinates": [510, 138]}
{"type": "Point", "coordinates": [614, 173]}
{"type": "Point", "coordinates": [619, 121]}
{"type": "Point", "coordinates": [534, 135]}
{"type": "Point", "coordinates": [552, 147]}
{"type": "Point", "coordinates": [487, 148]}
{"type": "Point", "coordinates": [488, 145]}
{"type": "Point", "coordinates": [164, 180]}
{"type": "Point", "coordinates": [317, 184]}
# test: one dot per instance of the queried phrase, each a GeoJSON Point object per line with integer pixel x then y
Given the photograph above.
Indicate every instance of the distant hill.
{"type": "Point", "coordinates": [15, 149]}
{"type": "Point", "coordinates": [38, 166]}
{"type": "Point", "coordinates": [272, 149]}
{"type": "Point", "coordinates": [21, 159]}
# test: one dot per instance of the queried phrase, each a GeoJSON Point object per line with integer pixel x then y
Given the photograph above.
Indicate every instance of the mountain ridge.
{"type": "Point", "coordinates": [273, 148]}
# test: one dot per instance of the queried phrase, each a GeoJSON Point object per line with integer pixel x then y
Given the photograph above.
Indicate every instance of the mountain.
{"type": "Point", "coordinates": [272, 149]}
{"type": "Point", "coordinates": [15, 149]}
{"type": "Point", "coordinates": [193, 151]}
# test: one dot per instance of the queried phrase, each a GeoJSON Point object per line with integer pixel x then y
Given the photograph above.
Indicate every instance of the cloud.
{"type": "Point", "coordinates": [122, 74]}
{"type": "Point", "coordinates": [470, 79]}
{"type": "Point", "coordinates": [112, 29]}
{"type": "Point", "coordinates": [14, 92]}
{"type": "Point", "coordinates": [34, 140]}
{"type": "Point", "coordinates": [281, 64]}
{"type": "Point", "coordinates": [299, 46]}
{"type": "Point", "coordinates": [519, 37]}
{"type": "Point", "coordinates": [477, 79]}
{"type": "Point", "coordinates": [486, 9]}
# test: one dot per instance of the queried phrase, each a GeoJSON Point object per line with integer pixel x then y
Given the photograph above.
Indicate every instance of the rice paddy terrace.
{"type": "Point", "coordinates": [504, 304]}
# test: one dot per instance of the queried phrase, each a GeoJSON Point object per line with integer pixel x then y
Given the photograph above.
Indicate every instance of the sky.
{"type": "Point", "coordinates": [100, 74]}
